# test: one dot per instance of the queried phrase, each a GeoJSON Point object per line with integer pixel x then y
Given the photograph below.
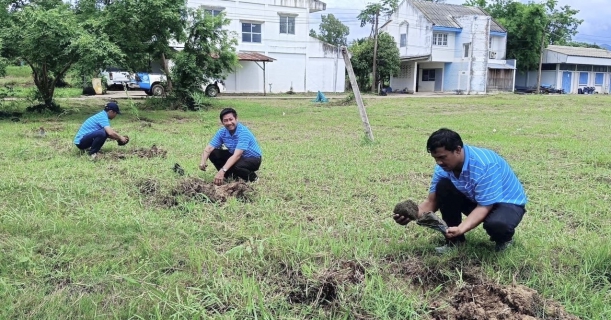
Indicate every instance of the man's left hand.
{"type": "Point", "coordinates": [219, 177]}
{"type": "Point", "coordinates": [454, 232]}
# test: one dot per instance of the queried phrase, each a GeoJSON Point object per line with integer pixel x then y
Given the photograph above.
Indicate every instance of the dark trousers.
{"type": "Point", "coordinates": [94, 140]}
{"type": "Point", "coordinates": [500, 223]}
{"type": "Point", "coordinates": [244, 168]}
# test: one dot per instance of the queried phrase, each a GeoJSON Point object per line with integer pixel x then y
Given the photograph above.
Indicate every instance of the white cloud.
{"type": "Point", "coordinates": [595, 28]}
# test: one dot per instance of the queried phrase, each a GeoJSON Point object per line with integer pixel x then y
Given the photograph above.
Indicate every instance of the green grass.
{"type": "Point", "coordinates": [18, 83]}
{"type": "Point", "coordinates": [78, 239]}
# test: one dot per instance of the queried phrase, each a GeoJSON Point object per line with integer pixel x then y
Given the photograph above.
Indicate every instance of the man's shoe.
{"type": "Point", "coordinates": [502, 246]}
{"type": "Point", "coordinates": [94, 156]}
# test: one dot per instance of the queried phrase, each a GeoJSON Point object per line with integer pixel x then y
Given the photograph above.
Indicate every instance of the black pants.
{"type": "Point", "coordinates": [94, 140]}
{"type": "Point", "coordinates": [500, 223]}
{"type": "Point", "coordinates": [244, 169]}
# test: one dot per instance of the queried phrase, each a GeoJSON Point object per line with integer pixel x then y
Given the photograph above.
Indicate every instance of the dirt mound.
{"type": "Point", "coordinates": [200, 189]}
{"type": "Point", "coordinates": [153, 152]}
{"type": "Point", "coordinates": [407, 208]}
{"type": "Point", "coordinates": [492, 301]}
{"type": "Point", "coordinates": [325, 288]}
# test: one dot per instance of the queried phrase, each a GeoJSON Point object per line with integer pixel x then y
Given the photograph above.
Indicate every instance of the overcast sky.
{"type": "Point", "coordinates": [596, 27]}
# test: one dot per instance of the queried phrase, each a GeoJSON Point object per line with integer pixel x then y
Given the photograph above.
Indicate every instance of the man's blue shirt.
{"type": "Point", "coordinates": [94, 123]}
{"type": "Point", "coordinates": [241, 139]}
{"type": "Point", "coordinates": [486, 179]}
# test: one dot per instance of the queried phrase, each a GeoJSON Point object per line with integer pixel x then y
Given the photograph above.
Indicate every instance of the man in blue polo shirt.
{"type": "Point", "coordinates": [96, 129]}
{"type": "Point", "coordinates": [242, 156]}
{"type": "Point", "coordinates": [476, 182]}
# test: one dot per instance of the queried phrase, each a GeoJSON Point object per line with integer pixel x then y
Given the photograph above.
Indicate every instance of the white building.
{"type": "Point", "coordinates": [448, 47]}
{"type": "Point", "coordinates": [277, 31]}
{"type": "Point", "coordinates": [572, 68]}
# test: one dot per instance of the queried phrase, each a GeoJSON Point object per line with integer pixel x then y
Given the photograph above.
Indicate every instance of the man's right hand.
{"type": "Point", "coordinates": [401, 219]}
{"type": "Point", "coordinates": [202, 166]}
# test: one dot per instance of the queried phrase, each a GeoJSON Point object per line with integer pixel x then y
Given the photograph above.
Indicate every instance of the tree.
{"type": "Point", "coordinates": [583, 45]}
{"type": "Point", "coordinates": [371, 14]}
{"type": "Point", "coordinates": [388, 58]}
{"type": "Point", "coordinates": [332, 31]}
{"type": "Point", "coordinates": [209, 52]}
{"type": "Point", "coordinates": [51, 42]}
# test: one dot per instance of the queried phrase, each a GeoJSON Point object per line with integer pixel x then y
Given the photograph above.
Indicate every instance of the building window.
{"type": "Point", "coordinates": [598, 81]}
{"type": "Point", "coordinates": [548, 67]}
{"type": "Point", "coordinates": [440, 39]}
{"type": "Point", "coordinates": [466, 49]}
{"type": "Point", "coordinates": [403, 41]}
{"type": "Point", "coordinates": [583, 78]}
{"type": "Point", "coordinates": [428, 74]}
{"type": "Point", "coordinates": [567, 67]}
{"type": "Point", "coordinates": [251, 32]}
{"type": "Point", "coordinates": [287, 25]}
{"type": "Point", "coordinates": [584, 67]}
{"type": "Point", "coordinates": [214, 12]}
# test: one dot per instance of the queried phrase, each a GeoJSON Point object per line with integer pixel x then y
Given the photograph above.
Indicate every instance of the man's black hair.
{"type": "Point", "coordinates": [226, 111]}
{"type": "Point", "coordinates": [445, 138]}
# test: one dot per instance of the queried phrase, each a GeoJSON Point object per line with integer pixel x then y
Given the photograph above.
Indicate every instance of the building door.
{"type": "Point", "coordinates": [438, 79]}
{"type": "Point", "coordinates": [567, 80]}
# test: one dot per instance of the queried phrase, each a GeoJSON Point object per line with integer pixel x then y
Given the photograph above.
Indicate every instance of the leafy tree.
{"type": "Point", "coordinates": [388, 58]}
{"type": "Point", "coordinates": [583, 45]}
{"type": "Point", "coordinates": [332, 31]}
{"type": "Point", "coordinates": [51, 42]}
{"type": "Point", "coordinates": [313, 33]}
{"type": "Point", "coordinates": [374, 10]}
{"type": "Point", "coordinates": [528, 23]}
{"type": "Point", "coordinates": [209, 51]}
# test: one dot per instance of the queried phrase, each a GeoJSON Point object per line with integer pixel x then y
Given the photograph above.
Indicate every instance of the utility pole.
{"type": "Point", "coordinates": [357, 94]}
{"type": "Point", "coordinates": [540, 63]}
{"type": "Point", "coordinates": [375, 54]}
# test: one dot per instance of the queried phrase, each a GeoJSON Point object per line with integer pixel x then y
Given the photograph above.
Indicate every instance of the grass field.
{"type": "Point", "coordinates": [18, 83]}
{"type": "Point", "coordinates": [79, 239]}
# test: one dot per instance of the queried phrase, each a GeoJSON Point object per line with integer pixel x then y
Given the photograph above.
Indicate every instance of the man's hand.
{"type": "Point", "coordinates": [202, 166]}
{"type": "Point", "coordinates": [219, 177]}
{"type": "Point", "coordinates": [401, 219]}
{"type": "Point", "coordinates": [454, 232]}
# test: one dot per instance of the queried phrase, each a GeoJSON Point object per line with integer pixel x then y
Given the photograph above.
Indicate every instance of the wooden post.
{"type": "Point", "coordinates": [540, 63]}
{"type": "Point", "coordinates": [264, 93]}
{"type": "Point", "coordinates": [357, 94]}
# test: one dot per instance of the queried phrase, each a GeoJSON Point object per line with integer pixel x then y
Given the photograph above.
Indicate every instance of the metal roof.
{"type": "Point", "coordinates": [500, 66]}
{"type": "Point", "coordinates": [442, 15]}
{"type": "Point", "coordinates": [581, 52]}
{"type": "Point", "coordinates": [254, 56]}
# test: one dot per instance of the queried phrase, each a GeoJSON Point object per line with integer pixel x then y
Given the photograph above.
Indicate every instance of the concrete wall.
{"type": "Point", "coordinates": [477, 29]}
{"type": "Point", "coordinates": [405, 78]}
{"type": "Point", "coordinates": [429, 86]}
{"type": "Point", "coordinates": [498, 45]}
{"type": "Point", "coordinates": [446, 53]}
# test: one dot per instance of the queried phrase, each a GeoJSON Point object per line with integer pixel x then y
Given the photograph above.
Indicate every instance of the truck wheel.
{"type": "Point", "coordinates": [157, 90]}
{"type": "Point", "coordinates": [212, 91]}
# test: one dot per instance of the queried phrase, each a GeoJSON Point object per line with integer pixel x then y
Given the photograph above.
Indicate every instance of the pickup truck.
{"type": "Point", "coordinates": [152, 84]}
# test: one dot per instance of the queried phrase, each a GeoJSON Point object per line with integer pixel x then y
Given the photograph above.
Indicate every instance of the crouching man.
{"type": "Point", "coordinates": [476, 182]}
{"type": "Point", "coordinates": [243, 155]}
{"type": "Point", "coordinates": [96, 129]}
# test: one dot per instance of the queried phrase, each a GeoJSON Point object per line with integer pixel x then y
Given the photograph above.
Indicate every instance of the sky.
{"type": "Point", "coordinates": [596, 27]}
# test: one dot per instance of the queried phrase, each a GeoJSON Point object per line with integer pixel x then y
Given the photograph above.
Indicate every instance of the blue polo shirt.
{"type": "Point", "coordinates": [486, 179]}
{"type": "Point", "coordinates": [241, 139]}
{"type": "Point", "coordinates": [94, 123]}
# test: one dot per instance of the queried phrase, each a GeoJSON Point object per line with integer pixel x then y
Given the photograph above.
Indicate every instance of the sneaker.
{"type": "Point", "coordinates": [502, 246]}
{"type": "Point", "coordinates": [94, 156]}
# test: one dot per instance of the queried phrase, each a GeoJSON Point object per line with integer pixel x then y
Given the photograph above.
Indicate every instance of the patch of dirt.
{"type": "Point", "coordinates": [407, 208]}
{"type": "Point", "coordinates": [324, 289]}
{"type": "Point", "coordinates": [474, 297]}
{"type": "Point", "coordinates": [153, 152]}
{"type": "Point", "coordinates": [199, 189]}
{"type": "Point", "coordinates": [492, 301]}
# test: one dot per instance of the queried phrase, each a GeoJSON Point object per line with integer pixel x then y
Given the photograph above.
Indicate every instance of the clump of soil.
{"type": "Point", "coordinates": [200, 189]}
{"type": "Point", "coordinates": [407, 208]}
{"type": "Point", "coordinates": [153, 152]}
{"type": "Point", "coordinates": [492, 301]}
{"type": "Point", "coordinates": [325, 288]}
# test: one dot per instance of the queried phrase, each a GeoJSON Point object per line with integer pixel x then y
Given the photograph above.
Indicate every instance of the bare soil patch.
{"type": "Point", "coordinates": [475, 297]}
{"type": "Point", "coordinates": [153, 152]}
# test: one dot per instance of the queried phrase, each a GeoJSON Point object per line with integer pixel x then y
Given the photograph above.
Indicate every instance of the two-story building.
{"type": "Point", "coordinates": [446, 48]}
{"type": "Point", "coordinates": [275, 52]}
{"type": "Point", "coordinates": [571, 68]}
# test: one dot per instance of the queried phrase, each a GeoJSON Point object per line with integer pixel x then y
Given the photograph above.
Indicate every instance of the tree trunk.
{"type": "Point", "coordinates": [374, 85]}
{"type": "Point", "coordinates": [168, 77]}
